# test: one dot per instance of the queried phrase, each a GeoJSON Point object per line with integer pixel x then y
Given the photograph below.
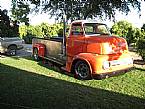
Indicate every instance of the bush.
{"type": "Point", "coordinates": [28, 39]}
{"type": "Point", "coordinates": [141, 48]}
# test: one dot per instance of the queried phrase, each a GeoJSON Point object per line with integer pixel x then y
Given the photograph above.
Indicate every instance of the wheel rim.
{"type": "Point", "coordinates": [82, 70]}
{"type": "Point", "coordinates": [13, 52]}
{"type": "Point", "coordinates": [35, 54]}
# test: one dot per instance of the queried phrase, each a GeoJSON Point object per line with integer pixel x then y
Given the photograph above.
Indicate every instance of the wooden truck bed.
{"type": "Point", "coordinates": [53, 48]}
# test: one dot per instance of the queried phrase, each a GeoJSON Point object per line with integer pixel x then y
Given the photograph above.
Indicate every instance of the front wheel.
{"type": "Point", "coordinates": [82, 70]}
{"type": "Point", "coordinates": [12, 50]}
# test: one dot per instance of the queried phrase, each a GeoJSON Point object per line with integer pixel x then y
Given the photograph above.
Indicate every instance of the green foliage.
{"type": "Point", "coordinates": [140, 45]}
{"type": "Point", "coordinates": [126, 30]}
{"type": "Point", "coordinates": [74, 9]}
{"type": "Point", "coordinates": [41, 31]}
{"type": "Point", "coordinates": [20, 11]}
{"type": "Point", "coordinates": [28, 38]}
{"type": "Point", "coordinates": [121, 28]}
{"type": "Point", "coordinates": [8, 28]}
{"type": "Point", "coordinates": [141, 48]}
{"type": "Point", "coordinates": [132, 35]}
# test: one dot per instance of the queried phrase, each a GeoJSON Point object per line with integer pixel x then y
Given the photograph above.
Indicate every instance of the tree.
{"type": "Point", "coordinates": [126, 30]}
{"type": "Point", "coordinates": [141, 43]}
{"type": "Point", "coordinates": [121, 28]}
{"type": "Point", "coordinates": [4, 23]}
{"type": "Point", "coordinates": [8, 28]}
{"type": "Point", "coordinates": [76, 9]}
{"type": "Point", "coordinates": [141, 48]}
{"type": "Point", "coordinates": [20, 11]}
{"type": "Point", "coordinates": [143, 31]}
{"type": "Point", "coordinates": [43, 30]}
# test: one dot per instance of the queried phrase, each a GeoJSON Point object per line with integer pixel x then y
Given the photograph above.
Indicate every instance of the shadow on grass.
{"type": "Point", "coordinates": [21, 89]}
{"type": "Point", "coordinates": [141, 69]}
{"type": "Point", "coordinates": [51, 66]}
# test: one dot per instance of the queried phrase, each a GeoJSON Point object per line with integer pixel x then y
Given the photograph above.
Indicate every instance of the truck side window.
{"type": "Point", "coordinates": [95, 28]}
{"type": "Point", "coordinates": [102, 29]}
{"type": "Point", "coordinates": [89, 29]}
{"type": "Point", "coordinates": [77, 29]}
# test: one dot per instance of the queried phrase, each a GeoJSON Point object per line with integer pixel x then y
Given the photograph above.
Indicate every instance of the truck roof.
{"type": "Point", "coordinates": [86, 21]}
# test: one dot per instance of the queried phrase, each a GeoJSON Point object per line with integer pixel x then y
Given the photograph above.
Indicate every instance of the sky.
{"type": "Point", "coordinates": [132, 17]}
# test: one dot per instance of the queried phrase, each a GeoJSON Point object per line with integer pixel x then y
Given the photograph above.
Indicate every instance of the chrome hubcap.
{"type": "Point", "coordinates": [13, 52]}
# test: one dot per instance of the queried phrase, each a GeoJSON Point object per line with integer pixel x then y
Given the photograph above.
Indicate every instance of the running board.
{"type": "Point", "coordinates": [53, 59]}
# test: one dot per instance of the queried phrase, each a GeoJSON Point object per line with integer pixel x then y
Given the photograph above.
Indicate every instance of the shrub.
{"type": "Point", "coordinates": [28, 39]}
{"type": "Point", "coordinates": [141, 48]}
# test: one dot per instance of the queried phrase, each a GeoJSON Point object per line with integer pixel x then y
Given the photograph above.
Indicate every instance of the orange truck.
{"type": "Point", "coordinates": [89, 51]}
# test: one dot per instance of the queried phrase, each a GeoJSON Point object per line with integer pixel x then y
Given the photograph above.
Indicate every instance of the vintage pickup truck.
{"type": "Point", "coordinates": [88, 51]}
{"type": "Point", "coordinates": [10, 45]}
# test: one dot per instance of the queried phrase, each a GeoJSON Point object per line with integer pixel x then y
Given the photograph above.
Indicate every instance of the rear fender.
{"type": "Point", "coordinates": [41, 49]}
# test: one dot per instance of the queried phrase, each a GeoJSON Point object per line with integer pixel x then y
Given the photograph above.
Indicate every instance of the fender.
{"type": "Point", "coordinates": [87, 57]}
{"type": "Point", "coordinates": [41, 49]}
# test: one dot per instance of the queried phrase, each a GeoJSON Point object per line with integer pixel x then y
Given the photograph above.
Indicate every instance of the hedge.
{"type": "Point", "coordinates": [141, 48]}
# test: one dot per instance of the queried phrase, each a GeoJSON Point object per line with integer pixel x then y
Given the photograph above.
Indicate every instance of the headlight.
{"type": "Point", "coordinates": [106, 65]}
{"type": "Point", "coordinates": [107, 48]}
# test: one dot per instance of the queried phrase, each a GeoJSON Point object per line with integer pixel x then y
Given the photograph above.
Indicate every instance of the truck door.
{"type": "Point", "coordinates": [75, 41]}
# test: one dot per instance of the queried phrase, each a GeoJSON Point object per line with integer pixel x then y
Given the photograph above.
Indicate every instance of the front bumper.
{"type": "Point", "coordinates": [111, 74]}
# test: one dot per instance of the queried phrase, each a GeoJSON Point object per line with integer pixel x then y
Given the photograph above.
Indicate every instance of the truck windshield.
{"type": "Point", "coordinates": [96, 28]}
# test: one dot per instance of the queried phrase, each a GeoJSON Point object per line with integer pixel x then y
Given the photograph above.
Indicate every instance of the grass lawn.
{"type": "Point", "coordinates": [26, 84]}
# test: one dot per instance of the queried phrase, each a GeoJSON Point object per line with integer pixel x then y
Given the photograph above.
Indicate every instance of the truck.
{"type": "Point", "coordinates": [89, 51]}
{"type": "Point", "coordinates": [10, 45]}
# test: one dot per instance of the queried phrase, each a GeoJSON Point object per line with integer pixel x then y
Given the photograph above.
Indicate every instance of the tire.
{"type": "Point", "coordinates": [35, 54]}
{"type": "Point", "coordinates": [12, 50]}
{"type": "Point", "coordinates": [82, 70]}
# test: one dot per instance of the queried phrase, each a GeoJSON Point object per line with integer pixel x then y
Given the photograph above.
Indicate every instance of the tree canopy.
{"type": "Point", "coordinates": [74, 9]}
{"type": "Point", "coordinates": [8, 28]}
{"type": "Point", "coordinates": [126, 30]}
{"type": "Point", "coordinates": [20, 11]}
{"type": "Point", "coordinates": [44, 30]}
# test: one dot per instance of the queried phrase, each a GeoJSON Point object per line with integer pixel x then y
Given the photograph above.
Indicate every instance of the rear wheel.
{"type": "Point", "coordinates": [12, 50]}
{"type": "Point", "coordinates": [35, 54]}
{"type": "Point", "coordinates": [82, 70]}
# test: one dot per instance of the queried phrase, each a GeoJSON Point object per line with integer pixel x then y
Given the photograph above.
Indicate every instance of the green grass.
{"type": "Point", "coordinates": [26, 84]}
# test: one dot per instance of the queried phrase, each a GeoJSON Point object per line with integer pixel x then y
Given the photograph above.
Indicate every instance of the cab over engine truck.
{"type": "Point", "coordinates": [89, 51]}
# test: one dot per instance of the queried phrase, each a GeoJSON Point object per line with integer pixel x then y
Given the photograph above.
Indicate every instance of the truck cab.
{"type": "Point", "coordinates": [91, 51]}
